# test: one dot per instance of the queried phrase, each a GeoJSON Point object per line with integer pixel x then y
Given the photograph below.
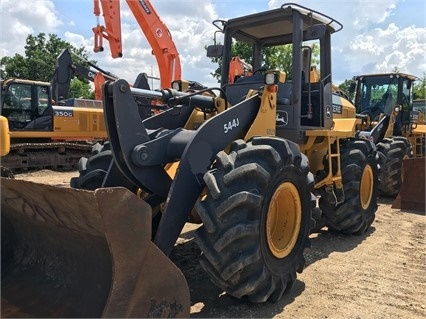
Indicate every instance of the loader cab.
{"type": "Point", "coordinates": [305, 98]}
{"type": "Point", "coordinates": [419, 111]}
{"type": "Point", "coordinates": [377, 94]}
{"type": "Point", "coordinates": [27, 105]}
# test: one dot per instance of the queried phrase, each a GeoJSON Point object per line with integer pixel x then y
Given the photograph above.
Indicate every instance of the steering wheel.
{"type": "Point", "coordinates": [375, 101]}
{"type": "Point", "coordinates": [261, 71]}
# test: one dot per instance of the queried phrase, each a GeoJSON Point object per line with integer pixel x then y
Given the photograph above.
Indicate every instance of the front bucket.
{"type": "Point", "coordinates": [77, 253]}
{"type": "Point", "coordinates": [412, 193]}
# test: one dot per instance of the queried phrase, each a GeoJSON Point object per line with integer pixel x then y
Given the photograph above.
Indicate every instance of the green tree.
{"type": "Point", "coordinates": [277, 57]}
{"type": "Point", "coordinates": [240, 49]}
{"type": "Point", "coordinates": [79, 89]}
{"type": "Point", "coordinates": [39, 61]}
{"type": "Point", "coordinates": [345, 88]}
{"type": "Point", "coordinates": [419, 88]}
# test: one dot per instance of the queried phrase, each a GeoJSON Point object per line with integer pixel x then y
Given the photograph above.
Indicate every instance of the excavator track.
{"type": "Point", "coordinates": [60, 156]}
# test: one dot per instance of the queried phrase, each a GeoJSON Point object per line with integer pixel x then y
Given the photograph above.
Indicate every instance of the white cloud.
{"type": "Point", "coordinates": [377, 35]}
{"type": "Point", "coordinates": [20, 18]}
{"type": "Point", "coordinates": [388, 48]}
{"type": "Point", "coordinates": [41, 13]}
{"type": "Point", "coordinates": [76, 40]}
{"type": "Point", "coordinates": [365, 12]}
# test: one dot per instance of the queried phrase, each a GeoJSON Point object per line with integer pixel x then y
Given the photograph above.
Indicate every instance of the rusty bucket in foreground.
{"type": "Point", "coordinates": [75, 253]}
{"type": "Point", "coordinates": [412, 193]}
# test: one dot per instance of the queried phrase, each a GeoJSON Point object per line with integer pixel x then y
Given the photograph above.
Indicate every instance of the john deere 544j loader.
{"type": "Point", "coordinates": [248, 163]}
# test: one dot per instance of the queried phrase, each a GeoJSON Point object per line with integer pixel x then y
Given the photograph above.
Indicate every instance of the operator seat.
{"type": "Point", "coordinates": [43, 122]}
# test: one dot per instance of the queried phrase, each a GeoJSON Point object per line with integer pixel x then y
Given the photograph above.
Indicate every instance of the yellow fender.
{"type": "Point", "coordinates": [4, 136]}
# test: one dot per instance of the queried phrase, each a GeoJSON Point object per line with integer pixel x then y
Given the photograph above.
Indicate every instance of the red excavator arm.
{"type": "Point", "coordinates": [156, 32]}
{"type": "Point", "coordinates": [238, 68]}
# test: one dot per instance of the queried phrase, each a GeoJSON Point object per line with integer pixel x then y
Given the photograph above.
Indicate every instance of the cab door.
{"type": "Point", "coordinates": [42, 109]}
{"type": "Point", "coordinates": [26, 106]}
{"type": "Point", "coordinates": [16, 105]}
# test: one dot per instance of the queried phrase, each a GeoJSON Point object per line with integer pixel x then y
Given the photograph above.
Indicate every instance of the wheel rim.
{"type": "Point", "coordinates": [283, 220]}
{"type": "Point", "coordinates": [367, 184]}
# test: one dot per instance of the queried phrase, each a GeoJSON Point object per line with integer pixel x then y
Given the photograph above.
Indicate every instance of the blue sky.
{"type": "Point", "coordinates": [377, 36]}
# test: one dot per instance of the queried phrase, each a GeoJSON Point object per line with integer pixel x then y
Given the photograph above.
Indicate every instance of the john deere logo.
{"type": "Point", "coordinates": [282, 118]}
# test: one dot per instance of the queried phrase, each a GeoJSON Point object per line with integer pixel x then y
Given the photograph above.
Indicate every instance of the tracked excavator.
{"type": "Point", "coordinates": [36, 133]}
{"type": "Point", "coordinates": [48, 129]}
{"type": "Point", "coordinates": [250, 163]}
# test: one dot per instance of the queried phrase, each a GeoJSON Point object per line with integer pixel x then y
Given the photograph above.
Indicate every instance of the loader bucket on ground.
{"type": "Point", "coordinates": [412, 193]}
{"type": "Point", "coordinates": [76, 253]}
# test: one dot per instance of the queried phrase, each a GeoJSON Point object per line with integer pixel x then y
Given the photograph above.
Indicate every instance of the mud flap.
{"type": "Point", "coordinates": [77, 253]}
{"type": "Point", "coordinates": [412, 193]}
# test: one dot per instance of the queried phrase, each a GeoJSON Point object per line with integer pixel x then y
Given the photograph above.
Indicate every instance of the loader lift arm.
{"type": "Point", "coordinates": [156, 32]}
{"type": "Point", "coordinates": [144, 155]}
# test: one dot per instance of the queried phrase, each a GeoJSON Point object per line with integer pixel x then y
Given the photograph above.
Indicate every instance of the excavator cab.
{"type": "Point", "coordinates": [27, 105]}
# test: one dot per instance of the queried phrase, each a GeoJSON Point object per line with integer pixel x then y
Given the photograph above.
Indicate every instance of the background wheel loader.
{"type": "Point", "coordinates": [248, 163]}
{"type": "Point", "coordinates": [385, 107]}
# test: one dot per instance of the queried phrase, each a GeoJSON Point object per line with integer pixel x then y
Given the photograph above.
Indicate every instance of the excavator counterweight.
{"type": "Point", "coordinates": [98, 259]}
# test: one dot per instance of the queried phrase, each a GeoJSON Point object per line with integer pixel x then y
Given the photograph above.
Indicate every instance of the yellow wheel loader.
{"type": "Point", "coordinates": [396, 126]}
{"type": "Point", "coordinates": [249, 163]}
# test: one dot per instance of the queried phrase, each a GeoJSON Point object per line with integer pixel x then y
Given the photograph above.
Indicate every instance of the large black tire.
{"type": "Point", "coordinates": [359, 165]}
{"type": "Point", "coordinates": [92, 170]}
{"type": "Point", "coordinates": [393, 151]}
{"type": "Point", "coordinates": [256, 218]}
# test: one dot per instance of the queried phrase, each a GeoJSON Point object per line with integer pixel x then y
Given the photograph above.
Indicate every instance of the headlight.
{"type": "Point", "coordinates": [176, 85]}
{"type": "Point", "coordinates": [180, 85]}
{"type": "Point", "coordinates": [273, 77]}
{"type": "Point", "coordinates": [270, 78]}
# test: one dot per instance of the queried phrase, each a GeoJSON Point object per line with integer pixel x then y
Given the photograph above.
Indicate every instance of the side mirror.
{"type": "Point", "coordinates": [352, 87]}
{"type": "Point", "coordinates": [215, 51]}
{"type": "Point", "coordinates": [316, 31]}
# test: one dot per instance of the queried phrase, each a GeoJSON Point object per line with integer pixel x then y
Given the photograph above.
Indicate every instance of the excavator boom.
{"type": "Point", "coordinates": [67, 68]}
{"type": "Point", "coordinates": [156, 32]}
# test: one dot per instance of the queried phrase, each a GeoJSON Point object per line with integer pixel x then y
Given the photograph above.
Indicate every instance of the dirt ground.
{"type": "Point", "coordinates": [380, 274]}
